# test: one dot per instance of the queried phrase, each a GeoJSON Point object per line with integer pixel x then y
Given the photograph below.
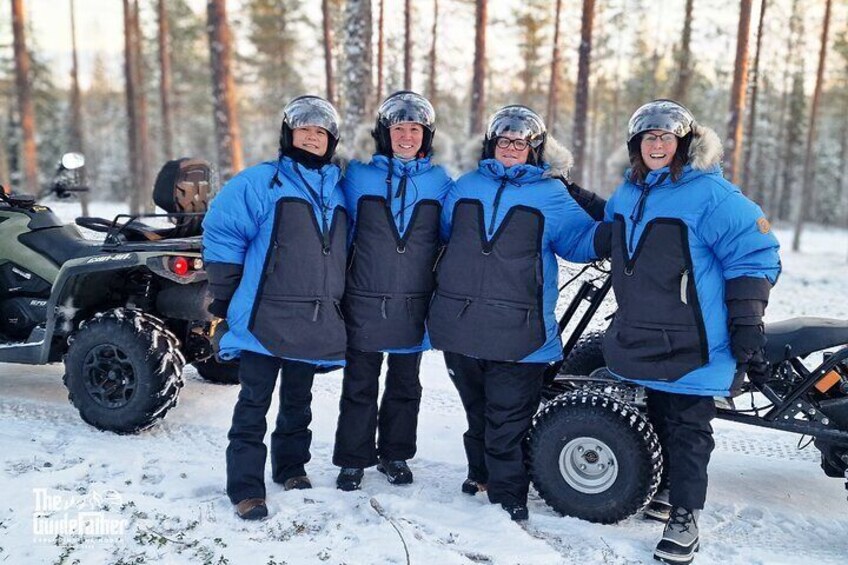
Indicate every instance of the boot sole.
{"type": "Point", "coordinates": [674, 559]}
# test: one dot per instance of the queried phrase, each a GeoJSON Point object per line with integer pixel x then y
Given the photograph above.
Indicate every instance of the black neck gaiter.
{"type": "Point", "coordinates": [307, 159]}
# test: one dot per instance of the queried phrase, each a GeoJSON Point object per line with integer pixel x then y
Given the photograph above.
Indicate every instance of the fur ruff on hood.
{"type": "Point", "coordinates": [705, 149]}
{"type": "Point", "coordinates": [557, 156]}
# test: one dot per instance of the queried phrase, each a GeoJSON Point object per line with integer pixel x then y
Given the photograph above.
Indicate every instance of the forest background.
{"type": "Point", "coordinates": [133, 83]}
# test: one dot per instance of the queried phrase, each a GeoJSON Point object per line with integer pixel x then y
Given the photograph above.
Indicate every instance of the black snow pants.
{"type": "Point", "coordinates": [395, 421]}
{"type": "Point", "coordinates": [682, 423]}
{"type": "Point", "coordinates": [291, 438]}
{"type": "Point", "coordinates": [500, 399]}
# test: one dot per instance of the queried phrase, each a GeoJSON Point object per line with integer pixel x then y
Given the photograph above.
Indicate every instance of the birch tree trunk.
{"type": "Point", "coordinates": [227, 135]}
{"type": "Point", "coordinates": [581, 96]}
{"type": "Point", "coordinates": [478, 82]}
{"type": "Point", "coordinates": [26, 107]}
{"type": "Point", "coordinates": [735, 128]}
{"type": "Point", "coordinates": [808, 184]}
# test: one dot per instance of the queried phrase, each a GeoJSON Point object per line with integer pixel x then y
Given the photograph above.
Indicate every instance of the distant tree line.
{"type": "Point", "coordinates": [189, 88]}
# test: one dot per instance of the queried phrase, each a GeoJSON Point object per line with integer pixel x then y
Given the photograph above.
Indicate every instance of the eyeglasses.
{"type": "Point", "coordinates": [651, 138]}
{"type": "Point", "coordinates": [519, 144]}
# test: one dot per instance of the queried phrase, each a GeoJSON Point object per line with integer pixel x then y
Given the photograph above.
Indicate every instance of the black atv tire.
{"type": "Point", "coordinates": [123, 370]}
{"type": "Point", "coordinates": [216, 372]}
{"type": "Point", "coordinates": [587, 355]}
{"type": "Point", "coordinates": [622, 476]}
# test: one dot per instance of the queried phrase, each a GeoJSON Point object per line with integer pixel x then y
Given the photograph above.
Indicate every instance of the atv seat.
{"type": "Point", "coordinates": [182, 190]}
{"type": "Point", "coordinates": [798, 337]}
{"type": "Point", "coordinates": [60, 244]}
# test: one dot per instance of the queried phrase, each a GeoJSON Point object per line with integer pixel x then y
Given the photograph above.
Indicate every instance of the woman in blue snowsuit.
{"type": "Point", "coordinates": [275, 247]}
{"type": "Point", "coordinates": [394, 202]}
{"type": "Point", "coordinates": [693, 262]}
{"type": "Point", "coordinates": [493, 310]}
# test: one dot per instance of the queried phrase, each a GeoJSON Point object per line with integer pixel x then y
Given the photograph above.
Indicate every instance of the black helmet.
{"type": "Point", "coordinates": [520, 120]}
{"type": "Point", "coordinates": [402, 107]}
{"type": "Point", "coordinates": [305, 111]}
{"type": "Point", "coordinates": [663, 115]}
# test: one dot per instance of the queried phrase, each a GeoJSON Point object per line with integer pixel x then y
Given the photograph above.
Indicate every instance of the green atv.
{"type": "Point", "coordinates": [125, 314]}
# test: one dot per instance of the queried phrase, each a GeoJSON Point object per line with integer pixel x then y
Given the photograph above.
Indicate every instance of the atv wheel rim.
{"type": "Point", "coordinates": [109, 377]}
{"type": "Point", "coordinates": [588, 465]}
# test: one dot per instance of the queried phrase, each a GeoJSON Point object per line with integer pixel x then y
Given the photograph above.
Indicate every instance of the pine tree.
{"type": "Point", "coordinates": [26, 107]}
{"type": "Point", "coordinates": [478, 81]}
{"type": "Point", "coordinates": [227, 132]}
{"type": "Point", "coordinates": [735, 131]}
{"type": "Point", "coordinates": [357, 75]}
{"type": "Point", "coordinates": [533, 19]}
{"type": "Point", "coordinates": [581, 100]}
{"type": "Point", "coordinates": [807, 192]}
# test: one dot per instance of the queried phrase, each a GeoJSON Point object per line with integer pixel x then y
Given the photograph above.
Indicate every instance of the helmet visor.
{"type": "Point", "coordinates": [519, 121]}
{"type": "Point", "coordinates": [661, 115]}
{"type": "Point", "coordinates": [307, 111]}
{"type": "Point", "coordinates": [407, 107]}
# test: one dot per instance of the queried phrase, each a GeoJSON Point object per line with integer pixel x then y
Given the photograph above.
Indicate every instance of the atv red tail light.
{"type": "Point", "coordinates": [179, 265]}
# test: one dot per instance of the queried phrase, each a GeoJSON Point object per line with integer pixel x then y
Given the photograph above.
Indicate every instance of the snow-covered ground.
{"type": "Point", "coordinates": [164, 489]}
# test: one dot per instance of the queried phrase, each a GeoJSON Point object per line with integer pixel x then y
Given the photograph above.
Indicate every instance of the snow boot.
{"type": "Point", "coordinates": [517, 512]}
{"type": "Point", "coordinates": [659, 508]}
{"type": "Point", "coordinates": [472, 487]}
{"type": "Point", "coordinates": [252, 509]}
{"type": "Point", "coordinates": [680, 538]}
{"type": "Point", "coordinates": [350, 478]}
{"type": "Point", "coordinates": [297, 483]}
{"type": "Point", "coordinates": [397, 472]}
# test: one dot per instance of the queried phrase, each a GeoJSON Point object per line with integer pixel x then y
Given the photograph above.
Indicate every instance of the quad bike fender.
{"type": "Point", "coordinates": [78, 288]}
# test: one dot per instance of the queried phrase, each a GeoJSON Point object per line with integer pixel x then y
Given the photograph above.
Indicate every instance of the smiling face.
{"type": "Point", "coordinates": [509, 155]}
{"type": "Point", "coordinates": [658, 148]}
{"type": "Point", "coordinates": [311, 138]}
{"type": "Point", "coordinates": [406, 139]}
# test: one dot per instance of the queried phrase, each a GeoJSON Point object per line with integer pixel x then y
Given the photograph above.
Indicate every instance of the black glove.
{"type": "Point", "coordinates": [218, 308]}
{"type": "Point", "coordinates": [746, 299]}
{"type": "Point", "coordinates": [746, 344]}
{"type": "Point", "coordinates": [603, 240]}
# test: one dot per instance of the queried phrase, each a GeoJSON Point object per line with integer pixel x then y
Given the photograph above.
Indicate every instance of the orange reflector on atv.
{"type": "Point", "coordinates": [179, 265]}
{"type": "Point", "coordinates": [825, 383]}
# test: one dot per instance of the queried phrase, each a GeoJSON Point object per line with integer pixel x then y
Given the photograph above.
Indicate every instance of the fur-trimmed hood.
{"type": "Point", "coordinates": [557, 156]}
{"type": "Point", "coordinates": [705, 149]}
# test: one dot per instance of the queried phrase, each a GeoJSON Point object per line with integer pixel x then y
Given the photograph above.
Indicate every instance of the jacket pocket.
{"type": "Point", "coordinates": [498, 330]}
{"type": "Point", "coordinates": [303, 328]}
{"type": "Point", "coordinates": [380, 321]}
{"type": "Point", "coordinates": [647, 351]}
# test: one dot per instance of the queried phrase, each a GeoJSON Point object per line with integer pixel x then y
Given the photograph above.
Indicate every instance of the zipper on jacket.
{"type": "Point", "coordinates": [684, 285]}
{"type": "Point", "coordinates": [636, 216]}
{"type": "Point", "coordinates": [272, 262]}
{"type": "Point", "coordinates": [496, 205]}
{"type": "Point", "coordinates": [401, 191]}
